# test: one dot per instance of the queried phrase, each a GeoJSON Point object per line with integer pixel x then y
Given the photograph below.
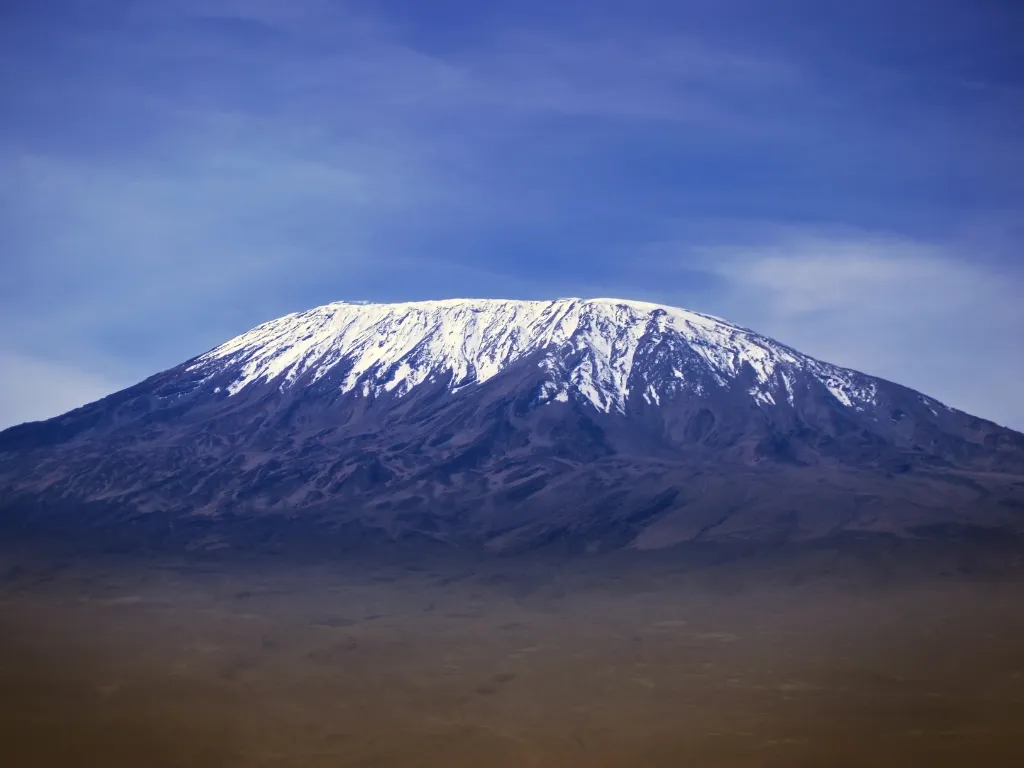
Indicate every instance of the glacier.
{"type": "Point", "coordinates": [587, 349]}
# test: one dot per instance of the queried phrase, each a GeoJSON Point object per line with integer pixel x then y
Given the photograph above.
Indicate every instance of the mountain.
{"type": "Point", "coordinates": [508, 424]}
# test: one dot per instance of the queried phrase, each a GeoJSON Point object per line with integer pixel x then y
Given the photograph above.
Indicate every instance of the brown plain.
{"type": "Point", "coordinates": [820, 660]}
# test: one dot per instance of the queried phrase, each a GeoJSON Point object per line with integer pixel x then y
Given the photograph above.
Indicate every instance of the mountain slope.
{"type": "Point", "coordinates": [508, 423]}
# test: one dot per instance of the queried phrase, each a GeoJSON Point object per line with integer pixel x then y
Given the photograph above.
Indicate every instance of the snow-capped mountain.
{"type": "Point", "coordinates": [592, 350]}
{"type": "Point", "coordinates": [507, 424]}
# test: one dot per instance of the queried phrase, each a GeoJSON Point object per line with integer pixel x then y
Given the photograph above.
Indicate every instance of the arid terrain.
{"type": "Point", "coordinates": [875, 655]}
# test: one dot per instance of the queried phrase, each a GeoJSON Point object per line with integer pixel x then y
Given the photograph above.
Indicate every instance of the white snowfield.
{"type": "Point", "coordinates": [587, 349]}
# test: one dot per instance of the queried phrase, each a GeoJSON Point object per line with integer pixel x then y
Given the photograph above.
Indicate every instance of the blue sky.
{"type": "Point", "coordinates": [846, 177]}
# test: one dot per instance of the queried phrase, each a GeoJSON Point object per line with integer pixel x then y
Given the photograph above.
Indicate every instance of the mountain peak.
{"type": "Point", "coordinates": [588, 347]}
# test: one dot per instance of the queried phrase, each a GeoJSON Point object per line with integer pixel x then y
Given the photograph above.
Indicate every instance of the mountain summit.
{"type": "Point", "coordinates": [507, 424]}
{"type": "Point", "coordinates": [597, 351]}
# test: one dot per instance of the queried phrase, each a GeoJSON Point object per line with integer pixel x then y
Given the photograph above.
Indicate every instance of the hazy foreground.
{"type": "Point", "coordinates": [803, 658]}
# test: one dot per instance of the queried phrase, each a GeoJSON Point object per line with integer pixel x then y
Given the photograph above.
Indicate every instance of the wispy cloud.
{"type": "Point", "coordinates": [915, 312]}
{"type": "Point", "coordinates": [37, 388]}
